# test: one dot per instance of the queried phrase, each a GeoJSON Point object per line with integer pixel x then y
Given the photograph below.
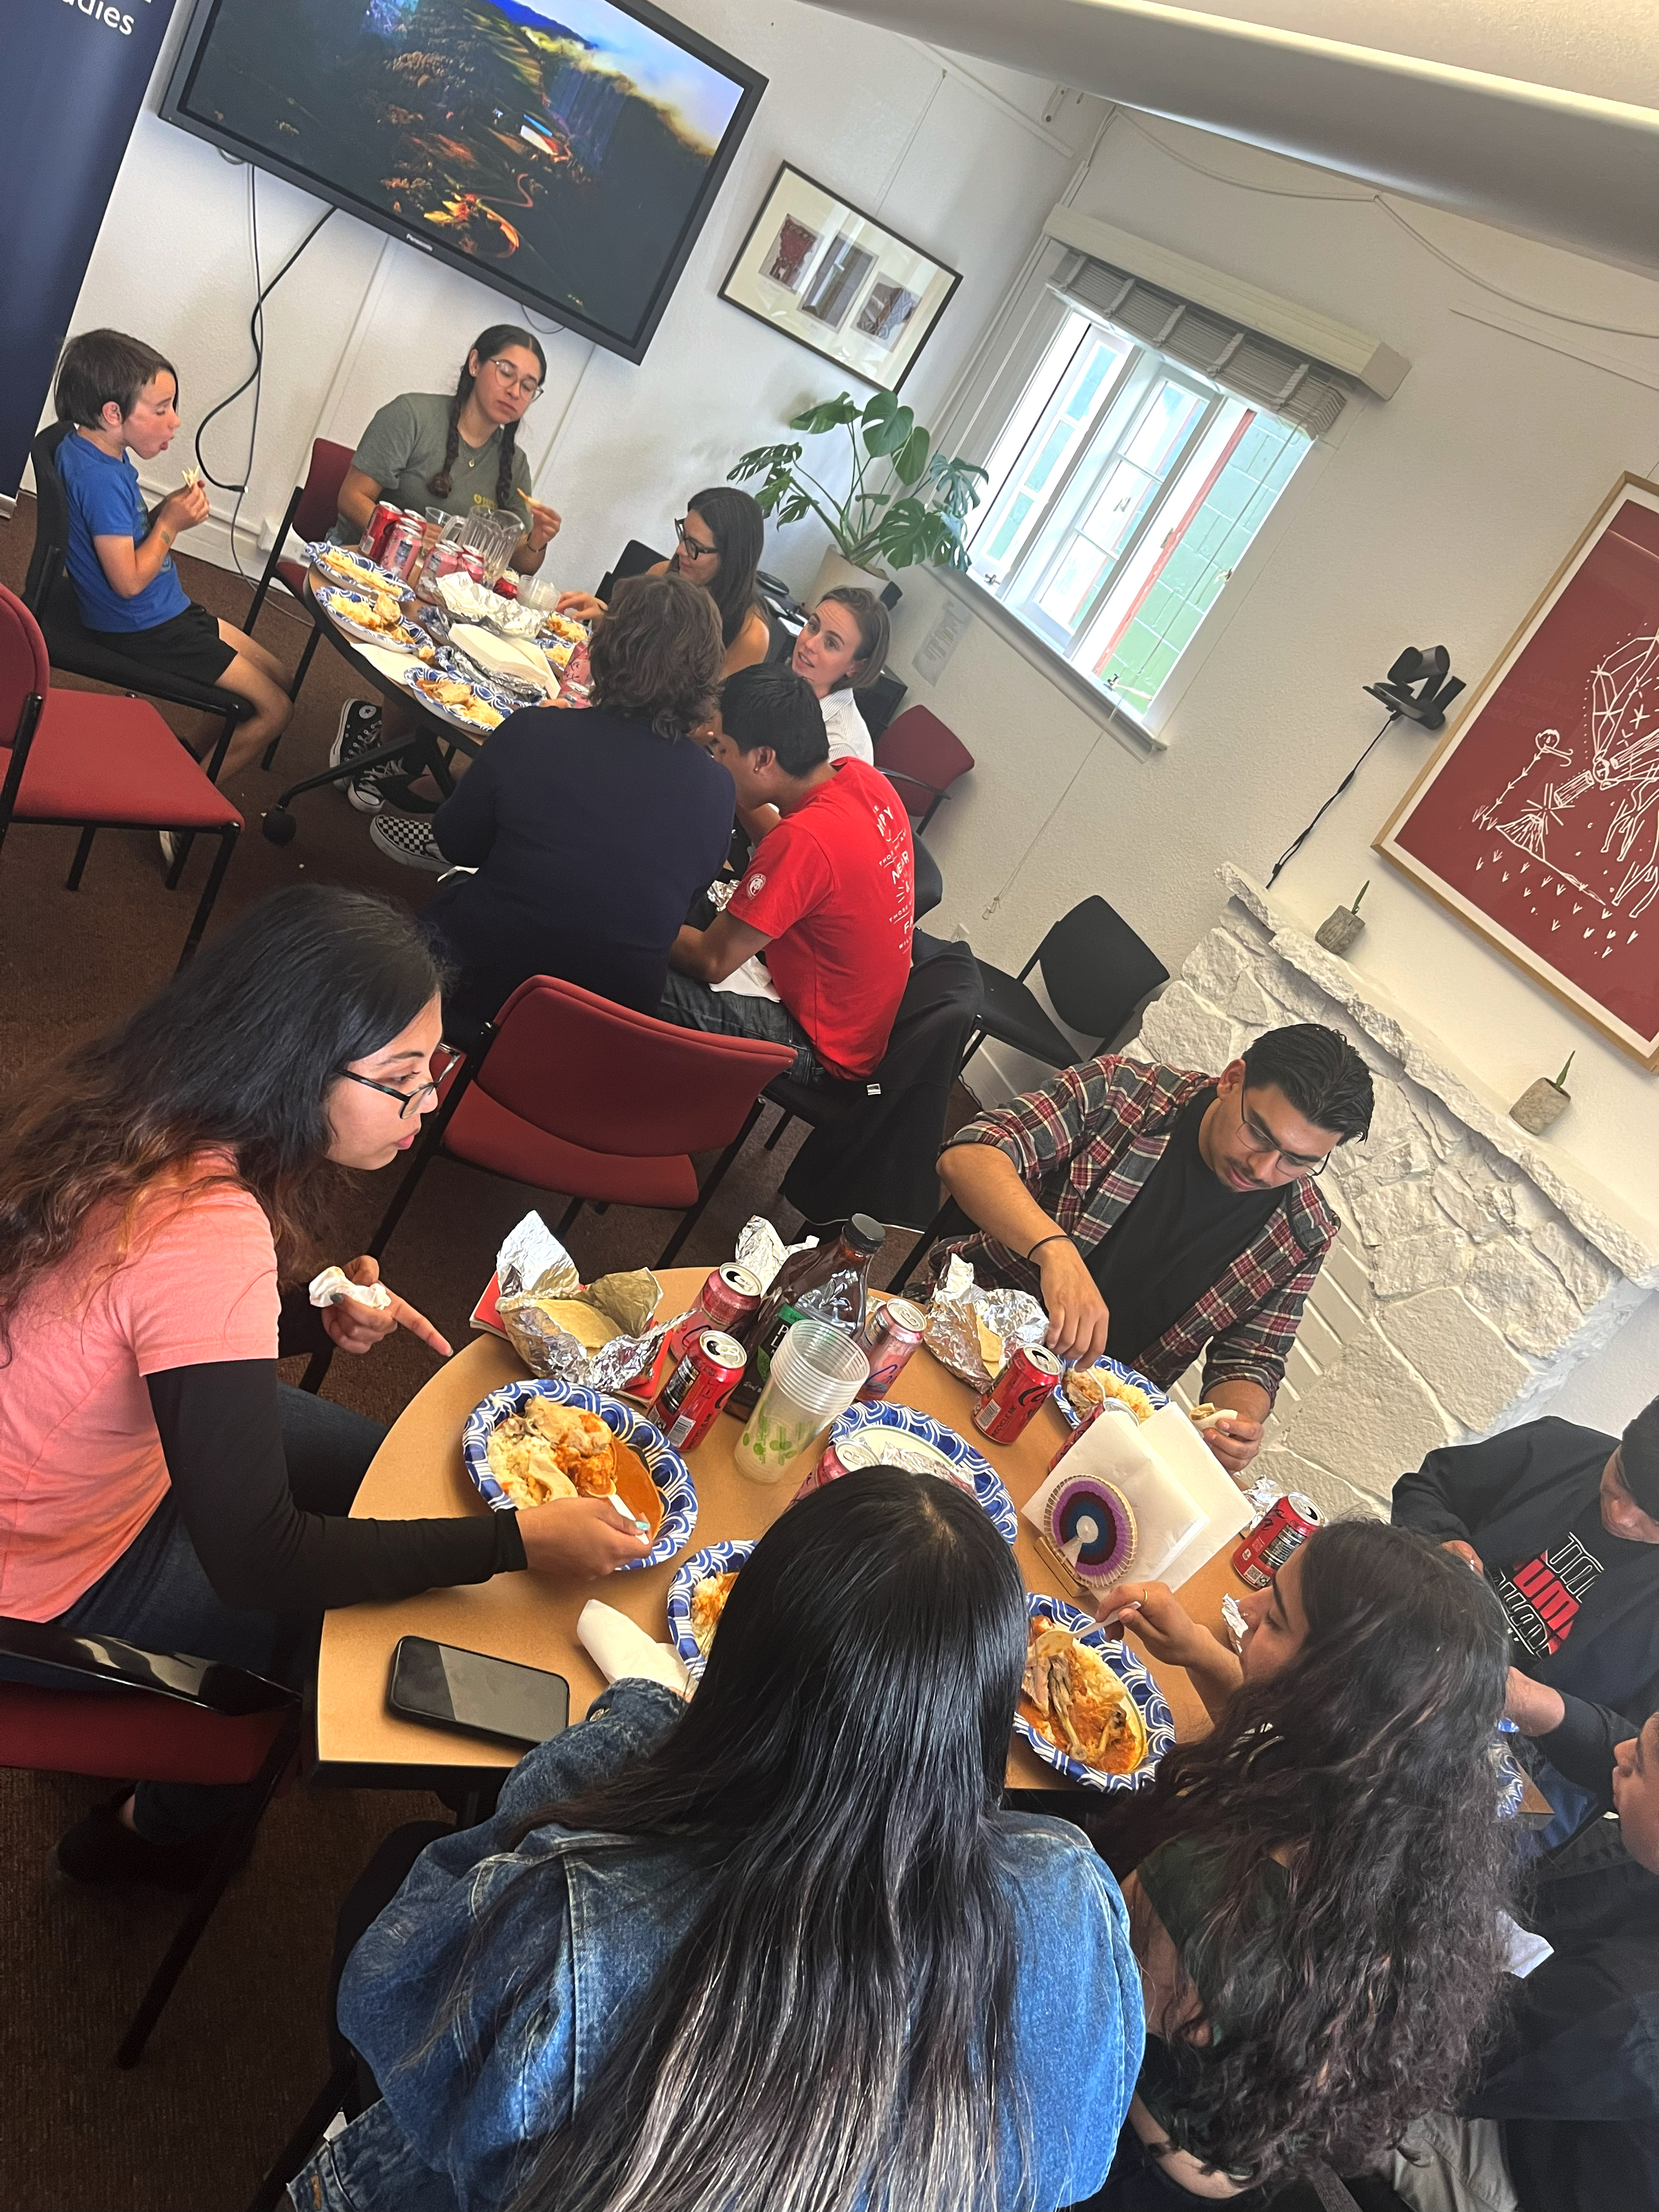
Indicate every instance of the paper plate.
{"type": "Point", "coordinates": [713, 1560]}
{"type": "Point", "coordinates": [421, 680]}
{"type": "Point", "coordinates": [1103, 1366]}
{"type": "Point", "coordinates": [904, 1421]}
{"type": "Point", "coordinates": [344, 565]}
{"type": "Point", "coordinates": [1149, 1701]}
{"type": "Point", "coordinates": [664, 1466]}
{"type": "Point", "coordinates": [345, 607]}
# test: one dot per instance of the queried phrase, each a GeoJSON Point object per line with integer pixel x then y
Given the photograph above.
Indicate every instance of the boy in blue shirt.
{"type": "Point", "coordinates": [122, 396]}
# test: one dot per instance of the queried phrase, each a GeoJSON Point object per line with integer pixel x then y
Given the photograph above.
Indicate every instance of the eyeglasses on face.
{"type": "Point", "coordinates": [690, 546]}
{"type": "Point", "coordinates": [1262, 1139]}
{"type": "Point", "coordinates": [530, 386]}
{"type": "Point", "coordinates": [412, 1102]}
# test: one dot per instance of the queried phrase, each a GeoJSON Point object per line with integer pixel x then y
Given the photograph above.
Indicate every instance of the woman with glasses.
{"type": "Point", "coordinates": [719, 540]}
{"type": "Point", "coordinates": [165, 1191]}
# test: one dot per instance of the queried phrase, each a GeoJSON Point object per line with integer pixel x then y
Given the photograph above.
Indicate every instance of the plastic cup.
{"type": "Point", "coordinates": [816, 1372]}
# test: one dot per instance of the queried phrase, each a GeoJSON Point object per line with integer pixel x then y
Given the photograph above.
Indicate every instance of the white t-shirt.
{"type": "Point", "coordinates": [848, 739]}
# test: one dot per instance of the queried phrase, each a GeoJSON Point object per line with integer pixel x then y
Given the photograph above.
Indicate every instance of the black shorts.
{"type": "Point", "coordinates": [187, 645]}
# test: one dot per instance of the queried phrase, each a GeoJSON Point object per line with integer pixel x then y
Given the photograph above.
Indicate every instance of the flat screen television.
{"type": "Point", "coordinates": [566, 152]}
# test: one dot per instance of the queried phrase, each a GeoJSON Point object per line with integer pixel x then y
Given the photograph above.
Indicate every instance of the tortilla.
{"type": "Point", "coordinates": [590, 1328]}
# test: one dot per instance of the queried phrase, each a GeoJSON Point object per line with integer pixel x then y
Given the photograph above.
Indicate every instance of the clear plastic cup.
{"type": "Point", "coordinates": [816, 1372]}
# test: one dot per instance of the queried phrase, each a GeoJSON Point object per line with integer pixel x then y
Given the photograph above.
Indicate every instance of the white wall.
{"type": "Point", "coordinates": [962, 164]}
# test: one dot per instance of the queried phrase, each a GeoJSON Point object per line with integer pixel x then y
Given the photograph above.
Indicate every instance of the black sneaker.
{"type": "Point", "coordinates": [359, 731]}
{"type": "Point", "coordinates": [101, 1851]}
{"type": "Point", "coordinates": [384, 784]}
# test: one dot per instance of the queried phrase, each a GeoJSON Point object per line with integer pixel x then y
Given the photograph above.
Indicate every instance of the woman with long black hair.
{"type": "Point", "coordinates": [720, 536]}
{"type": "Point", "coordinates": [1317, 1882]}
{"type": "Point", "coordinates": [776, 1952]}
{"type": "Point", "coordinates": [157, 1190]}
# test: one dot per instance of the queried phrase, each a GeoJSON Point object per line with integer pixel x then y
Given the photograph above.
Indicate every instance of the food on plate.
{"type": "Point", "coordinates": [561, 627]}
{"type": "Point", "coordinates": [460, 699]}
{"type": "Point", "coordinates": [552, 1451]}
{"type": "Point", "coordinates": [1087, 1387]}
{"type": "Point", "coordinates": [708, 1599]}
{"type": "Point", "coordinates": [991, 1348]}
{"type": "Point", "coordinates": [1072, 1697]}
{"type": "Point", "coordinates": [341, 561]}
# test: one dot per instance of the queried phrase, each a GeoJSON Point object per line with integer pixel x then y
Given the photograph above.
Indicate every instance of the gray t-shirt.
{"type": "Point", "coordinates": [403, 446]}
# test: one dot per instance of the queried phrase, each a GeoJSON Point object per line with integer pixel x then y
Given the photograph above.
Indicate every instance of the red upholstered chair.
{"type": "Point", "coordinates": [83, 760]}
{"type": "Point", "coordinates": [157, 1717]}
{"type": "Point", "coordinates": [312, 511]}
{"type": "Point", "coordinates": [570, 1092]}
{"type": "Point", "coordinates": [917, 753]}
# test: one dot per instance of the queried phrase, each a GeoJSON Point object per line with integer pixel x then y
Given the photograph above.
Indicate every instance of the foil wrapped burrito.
{"type": "Point", "coordinates": [970, 1329]}
{"type": "Point", "coordinates": [600, 1336]}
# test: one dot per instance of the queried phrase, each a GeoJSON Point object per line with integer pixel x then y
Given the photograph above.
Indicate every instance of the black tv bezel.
{"type": "Point", "coordinates": [492, 276]}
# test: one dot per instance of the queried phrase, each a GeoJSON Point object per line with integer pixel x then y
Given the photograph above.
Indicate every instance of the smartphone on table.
{"type": "Point", "coordinates": [447, 1687]}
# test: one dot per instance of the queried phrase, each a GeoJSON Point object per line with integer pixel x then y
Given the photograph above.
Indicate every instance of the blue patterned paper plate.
{"type": "Point", "coordinates": [1508, 1774]}
{"type": "Point", "coordinates": [664, 1466]}
{"type": "Point", "coordinates": [344, 565]}
{"type": "Point", "coordinates": [1103, 1366]}
{"type": "Point", "coordinates": [348, 610]}
{"type": "Point", "coordinates": [1149, 1700]}
{"type": "Point", "coordinates": [713, 1560]}
{"type": "Point", "coordinates": [904, 1421]}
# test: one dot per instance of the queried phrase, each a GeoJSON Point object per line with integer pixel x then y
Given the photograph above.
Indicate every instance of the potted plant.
{"type": "Point", "coordinates": [1341, 927]}
{"type": "Point", "coordinates": [1542, 1103]}
{"type": "Point", "coordinates": [921, 520]}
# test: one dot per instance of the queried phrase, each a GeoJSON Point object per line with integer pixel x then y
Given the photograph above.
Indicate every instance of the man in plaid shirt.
{"type": "Point", "coordinates": [1158, 1213]}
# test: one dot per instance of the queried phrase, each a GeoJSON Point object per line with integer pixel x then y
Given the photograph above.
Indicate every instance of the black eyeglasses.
{"type": "Point", "coordinates": [412, 1102]}
{"type": "Point", "coordinates": [689, 545]}
{"type": "Point", "coordinates": [1263, 1140]}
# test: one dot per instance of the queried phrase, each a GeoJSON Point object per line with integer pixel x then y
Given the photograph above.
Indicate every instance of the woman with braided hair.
{"type": "Point", "coordinates": [458, 451]}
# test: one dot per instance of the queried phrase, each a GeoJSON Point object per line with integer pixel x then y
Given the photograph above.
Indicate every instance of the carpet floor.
{"type": "Point", "coordinates": [238, 2053]}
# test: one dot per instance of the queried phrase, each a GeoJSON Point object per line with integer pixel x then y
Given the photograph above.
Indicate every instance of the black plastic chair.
{"type": "Point", "coordinates": [635, 557]}
{"type": "Point", "coordinates": [49, 596]}
{"type": "Point", "coordinates": [930, 885]}
{"type": "Point", "coordinates": [1097, 973]}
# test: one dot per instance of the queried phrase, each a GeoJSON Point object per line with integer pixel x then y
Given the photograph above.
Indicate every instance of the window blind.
{"type": "Point", "coordinates": [1244, 362]}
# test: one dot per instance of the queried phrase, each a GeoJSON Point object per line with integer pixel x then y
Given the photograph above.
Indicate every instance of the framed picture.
{"type": "Point", "coordinates": [835, 280]}
{"type": "Point", "coordinates": [1537, 820]}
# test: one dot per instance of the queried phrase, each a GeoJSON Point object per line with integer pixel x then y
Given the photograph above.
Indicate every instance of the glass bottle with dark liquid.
{"type": "Point", "coordinates": [830, 1282]}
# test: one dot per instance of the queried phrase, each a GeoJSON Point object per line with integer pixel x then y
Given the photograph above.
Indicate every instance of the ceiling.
{"type": "Point", "coordinates": [1532, 114]}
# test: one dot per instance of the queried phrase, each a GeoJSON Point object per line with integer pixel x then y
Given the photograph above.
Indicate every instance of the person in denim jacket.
{"type": "Point", "coordinates": [779, 1948]}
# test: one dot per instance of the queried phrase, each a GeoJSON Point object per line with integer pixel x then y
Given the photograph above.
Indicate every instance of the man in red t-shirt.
{"type": "Point", "coordinates": [828, 895]}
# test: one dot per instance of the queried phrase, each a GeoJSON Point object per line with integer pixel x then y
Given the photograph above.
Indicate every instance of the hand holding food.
{"type": "Point", "coordinates": [583, 1537]}
{"type": "Point", "coordinates": [545, 523]}
{"type": "Point", "coordinates": [1235, 1440]}
{"type": "Point", "coordinates": [1078, 1319]}
{"type": "Point", "coordinates": [582, 606]}
{"type": "Point", "coordinates": [358, 1327]}
{"type": "Point", "coordinates": [185, 508]}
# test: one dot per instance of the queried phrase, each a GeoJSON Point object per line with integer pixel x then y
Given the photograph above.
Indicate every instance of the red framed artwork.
{"type": "Point", "coordinates": [1537, 821]}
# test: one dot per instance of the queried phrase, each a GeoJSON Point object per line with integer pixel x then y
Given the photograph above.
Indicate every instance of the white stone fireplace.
{"type": "Point", "coordinates": [1472, 1274]}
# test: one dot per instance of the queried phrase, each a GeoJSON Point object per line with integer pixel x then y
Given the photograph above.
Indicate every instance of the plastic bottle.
{"type": "Point", "coordinates": [830, 1282]}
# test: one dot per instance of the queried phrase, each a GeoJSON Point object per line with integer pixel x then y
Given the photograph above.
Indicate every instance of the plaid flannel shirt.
{"type": "Point", "coordinates": [1084, 1148]}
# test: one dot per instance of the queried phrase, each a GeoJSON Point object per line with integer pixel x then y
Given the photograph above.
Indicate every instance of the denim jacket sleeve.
{"type": "Point", "coordinates": [468, 2029]}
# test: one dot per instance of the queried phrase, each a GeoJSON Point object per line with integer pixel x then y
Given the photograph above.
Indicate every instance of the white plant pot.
{"type": "Point", "coordinates": [833, 570]}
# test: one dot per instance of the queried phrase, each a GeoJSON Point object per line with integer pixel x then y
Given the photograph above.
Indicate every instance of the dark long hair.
{"type": "Point", "coordinates": [738, 529]}
{"type": "Point", "coordinates": [656, 657]}
{"type": "Point", "coordinates": [486, 345]}
{"type": "Point", "coordinates": [237, 1054]}
{"type": "Point", "coordinates": [1363, 1765]}
{"type": "Point", "coordinates": [837, 2025]}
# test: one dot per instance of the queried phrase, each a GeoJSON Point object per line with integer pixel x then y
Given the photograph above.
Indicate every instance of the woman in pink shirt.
{"type": "Point", "coordinates": [158, 1190]}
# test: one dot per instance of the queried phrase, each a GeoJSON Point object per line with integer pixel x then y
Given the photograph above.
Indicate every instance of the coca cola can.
{"type": "Point", "coordinates": [379, 522]}
{"type": "Point", "coordinates": [728, 1300]}
{"type": "Point", "coordinates": [400, 550]}
{"type": "Point", "coordinates": [1288, 1521]}
{"type": "Point", "coordinates": [891, 1332]}
{"type": "Point", "coordinates": [698, 1389]}
{"type": "Point", "coordinates": [1028, 1378]}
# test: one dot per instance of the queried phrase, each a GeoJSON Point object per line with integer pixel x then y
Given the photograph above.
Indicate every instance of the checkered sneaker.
{"type": "Point", "coordinates": [408, 841]}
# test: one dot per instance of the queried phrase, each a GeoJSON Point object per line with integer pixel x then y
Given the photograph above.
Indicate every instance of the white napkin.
{"type": "Point", "coordinates": [1167, 1516]}
{"type": "Point", "coordinates": [619, 1648]}
{"type": "Point", "coordinates": [752, 981]}
{"type": "Point", "coordinates": [334, 1284]}
{"type": "Point", "coordinates": [513, 656]}
{"type": "Point", "coordinates": [1524, 1951]}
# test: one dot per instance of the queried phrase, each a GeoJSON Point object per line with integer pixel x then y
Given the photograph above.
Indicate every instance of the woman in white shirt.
{"type": "Point", "coordinates": [840, 652]}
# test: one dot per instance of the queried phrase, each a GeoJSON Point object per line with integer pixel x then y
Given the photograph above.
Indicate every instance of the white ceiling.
{"type": "Point", "coordinates": [1534, 114]}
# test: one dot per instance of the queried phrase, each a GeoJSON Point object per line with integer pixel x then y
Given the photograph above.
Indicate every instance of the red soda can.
{"type": "Point", "coordinates": [698, 1389]}
{"type": "Point", "coordinates": [472, 562]}
{"type": "Point", "coordinates": [729, 1300]}
{"type": "Point", "coordinates": [1027, 1379]}
{"type": "Point", "coordinates": [1288, 1521]}
{"type": "Point", "coordinates": [379, 522]}
{"type": "Point", "coordinates": [891, 1332]}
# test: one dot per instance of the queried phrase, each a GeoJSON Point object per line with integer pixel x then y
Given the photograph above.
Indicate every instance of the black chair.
{"type": "Point", "coordinates": [1097, 974]}
{"type": "Point", "coordinates": [49, 596]}
{"type": "Point", "coordinates": [930, 885]}
{"type": "Point", "coordinates": [635, 557]}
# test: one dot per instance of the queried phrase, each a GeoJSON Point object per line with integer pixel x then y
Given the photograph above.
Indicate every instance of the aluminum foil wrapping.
{"type": "Point", "coordinates": [957, 1307]}
{"type": "Point", "coordinates": [532, 1266]}
{"type": "Point", "coordinates": [762, 1251]}
{"type": "Point", "coordinates": [334, 1284]}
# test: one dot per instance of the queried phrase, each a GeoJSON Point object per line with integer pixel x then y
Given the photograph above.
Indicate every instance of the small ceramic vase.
{"type": "Point", "coordinates": [1339, 929]}
{"type": "Point", "coordinates": [1539, 1106]}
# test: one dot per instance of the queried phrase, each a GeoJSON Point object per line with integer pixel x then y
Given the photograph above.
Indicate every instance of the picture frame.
{"type": "Point", "coordinates": [821, 271]}
{"type": "Point", "coordinates": [1536, 823]}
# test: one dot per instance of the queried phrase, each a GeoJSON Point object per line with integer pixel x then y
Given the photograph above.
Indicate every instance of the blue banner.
{"type": "Point", "coordinates": [74, 73]}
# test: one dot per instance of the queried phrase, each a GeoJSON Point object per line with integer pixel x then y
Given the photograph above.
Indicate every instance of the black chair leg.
{"type": "Point", "coordinates": [372, 758]}
{"type": "Point", "coordinates": [689, 1220]}
{"type": "Point", "coordinates": [221, 746]}
{"type": "Point", "coordinates": [771, 1144]}
{"type": "Point", "coordinates": [316, 1368]}
{"type": "Point", "coordinates": [569, 1215]}
{"type": "Point", "coordinates": [305, 2138]}
{"type": "Point", "coordinates": [229, 1857]}
{"type": "Point", "coordinates": [227, 837]}
{"type": "Point", "coordinates": [918, 1251]}
{"type": "Point", "coordinates": [82, 852]}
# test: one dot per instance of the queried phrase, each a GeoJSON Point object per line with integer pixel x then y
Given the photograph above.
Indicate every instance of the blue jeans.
{"type": "Point", "coordinates": [157, 1595]}
{"type": "Point", "coordinates": [694, 1006]}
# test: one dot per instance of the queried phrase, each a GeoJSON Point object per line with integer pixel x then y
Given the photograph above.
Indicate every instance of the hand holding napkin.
{"type": "Point", "coordinates": [619, 1648]}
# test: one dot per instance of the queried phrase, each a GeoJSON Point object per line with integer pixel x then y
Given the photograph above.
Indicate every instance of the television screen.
{"type": "Point", "coordinates": [567, 152]}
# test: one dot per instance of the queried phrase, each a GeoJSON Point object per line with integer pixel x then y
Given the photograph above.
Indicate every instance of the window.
{"type": "Point", "coordinates": [1123, 492]}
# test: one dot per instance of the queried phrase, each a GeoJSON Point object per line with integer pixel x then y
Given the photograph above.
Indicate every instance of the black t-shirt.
{"type": "Point", "coordinates": [1541, 1596]}
{"type": "Point", "coordinates": [1175, 1238]}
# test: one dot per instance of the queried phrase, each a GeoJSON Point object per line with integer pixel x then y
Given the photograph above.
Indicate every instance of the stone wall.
{"type": "Point", "coordinates": [1471, 1275]}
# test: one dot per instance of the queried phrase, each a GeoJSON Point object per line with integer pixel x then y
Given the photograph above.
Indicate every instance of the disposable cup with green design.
{"type": "Point", "coordinates": [816, 1372]}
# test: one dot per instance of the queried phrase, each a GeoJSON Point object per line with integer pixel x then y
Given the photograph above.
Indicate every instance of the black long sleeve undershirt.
{"type": "Point", "coordinates": [262, 1543]}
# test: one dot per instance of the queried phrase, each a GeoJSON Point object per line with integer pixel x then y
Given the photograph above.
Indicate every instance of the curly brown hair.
{"type": "Point", "coordinates": [657, 654]}
{"type": "Point", "coordinates": [233, 1058]}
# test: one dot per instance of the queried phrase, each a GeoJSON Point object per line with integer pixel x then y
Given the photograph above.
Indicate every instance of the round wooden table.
{"type": "Point", "coordinates": [532, 1618]}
